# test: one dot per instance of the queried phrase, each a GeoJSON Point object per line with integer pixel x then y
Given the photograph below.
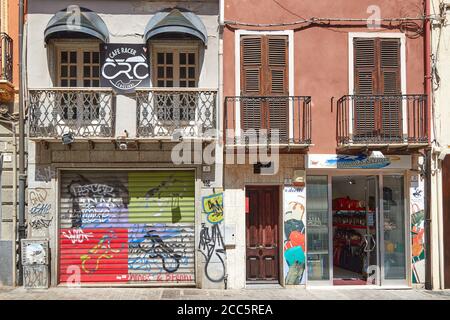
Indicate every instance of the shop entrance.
{"type": "Point", "coordinates": [355, 245]}
{"type": "Point", "coordinates": [368, 230]}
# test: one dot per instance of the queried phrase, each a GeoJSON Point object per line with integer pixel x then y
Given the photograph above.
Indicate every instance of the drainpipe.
{"type": "Point", "coordinates": [22, 175]}
{"type": "Point", "coordinates": [428, 92]}
{"type": "Point", "coordinates": [220, 123]}
{"type": "Point", "coordinates": [14, 216]}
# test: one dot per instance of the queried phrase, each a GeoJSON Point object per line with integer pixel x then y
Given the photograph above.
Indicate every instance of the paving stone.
{"type": "Point", "coordinates": [215, 294]}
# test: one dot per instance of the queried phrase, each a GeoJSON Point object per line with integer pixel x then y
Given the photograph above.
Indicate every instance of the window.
{"type": "Point", "coordinates": [377, 72]}
{"type": "Point", "coordinates": [175, 67]}
{"type": "Point", "coordinates": [264, 73]}
{"type": "Point", "coordinates": [78, 65]}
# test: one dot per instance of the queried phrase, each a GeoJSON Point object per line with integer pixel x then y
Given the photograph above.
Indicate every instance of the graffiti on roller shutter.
{"type": "Point", "coordinates": [97, 205]}
{"type": "Point", "coordinates": [129, 227]}
{"type": "Point", "coordinates": [160, 251]}
{"type": "Point", "coordinates": [99, 257]}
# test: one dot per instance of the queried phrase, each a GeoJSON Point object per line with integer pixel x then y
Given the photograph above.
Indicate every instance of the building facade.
{"type": "Point", "coordinates": [9, 127]}
{"type": "Point", "coordinates": [227, 144]}
{"type": "Point", "coordinates": [335, 91]}
{"type": "Point", "coordinates": [440, 177]}
{"type": "Point", "coordinates": [122, 107]}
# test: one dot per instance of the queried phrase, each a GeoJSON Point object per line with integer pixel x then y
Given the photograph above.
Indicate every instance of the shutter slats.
{"type": "Point", "coordinates": [278, 77]}
{"type": "Point", "coordinates": [364, 53]}
{"type": "Point", "coordinates": [277, 51]}
{"type": "Point", "coordinates": [390, 50]}
{"type": "Point", "coordinates": [251, 51]}
{"type": "Point", "coordinates": [278, 116]}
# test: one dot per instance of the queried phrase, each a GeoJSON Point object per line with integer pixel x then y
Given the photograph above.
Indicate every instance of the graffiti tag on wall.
{"type": "Point", "coordinates": [40, 211]}
{"type": "Point", "coordinates": [211, 243]}
{"type": "Point", "coordinates": [294, 235]}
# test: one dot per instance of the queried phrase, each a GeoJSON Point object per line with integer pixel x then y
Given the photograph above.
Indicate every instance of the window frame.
{"type": "Point", "coordinates": [174, 46]}
{"type": "Point", "coordinates": [80, 46]}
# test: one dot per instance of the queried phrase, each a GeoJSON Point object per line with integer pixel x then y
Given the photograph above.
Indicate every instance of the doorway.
{"type": "Point", "coordinates": [368, 230]}
{"type": "Point", "coordinates": [262, 219]}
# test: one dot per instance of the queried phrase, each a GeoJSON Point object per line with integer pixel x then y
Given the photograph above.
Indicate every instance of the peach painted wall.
{"type": "Point", "coordinates": [321, 53]}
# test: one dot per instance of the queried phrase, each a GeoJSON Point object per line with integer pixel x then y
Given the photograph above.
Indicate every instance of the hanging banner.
{"type": "Point", "coordinates": [124, 67]}
{"type": "Point", "coordinates": [341, 161]}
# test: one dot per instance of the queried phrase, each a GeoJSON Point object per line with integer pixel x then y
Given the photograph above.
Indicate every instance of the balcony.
{"type": "Point", "coordinates": [176, 113]}
{"type": "Point", "coordinates": [382, 121]}
{"type": "Point", "coordinates": [85, 112]}
{"type": "Point", "coordinates": [257, 120]}
{"type": "Point", "coordinates": [6, 71]}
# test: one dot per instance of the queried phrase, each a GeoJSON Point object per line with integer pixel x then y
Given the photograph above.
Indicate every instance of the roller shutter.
{"type": "Point", "coordinates": [127, 227]}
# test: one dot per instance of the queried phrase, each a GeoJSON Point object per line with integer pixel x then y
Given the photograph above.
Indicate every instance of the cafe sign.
{"type": "Point", "coordinates": [124, 67]}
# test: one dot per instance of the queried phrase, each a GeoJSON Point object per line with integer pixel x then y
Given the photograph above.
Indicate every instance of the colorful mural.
{"type": "Point", "coordinates": [294, 235]}
{"type": "Point", "coordinates": [128, 226]}
{"type": "Point", "coordinates": [211, 242]}
{"type": "Point", "coordinates": [417, 229]}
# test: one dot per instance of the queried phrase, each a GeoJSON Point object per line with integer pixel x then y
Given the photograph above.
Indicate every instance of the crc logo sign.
{"type": "Point", "coordinates": [124, 67]}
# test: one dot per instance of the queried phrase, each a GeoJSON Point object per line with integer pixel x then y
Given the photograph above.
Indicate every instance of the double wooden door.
{"type": "Point", "coordinates": [262, 234]}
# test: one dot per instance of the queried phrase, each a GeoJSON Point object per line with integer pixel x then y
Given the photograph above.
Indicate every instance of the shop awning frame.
{"type": "Point", "coordinates": [176, 21]}
{"type": "Point", "coordinates": [76, 20]}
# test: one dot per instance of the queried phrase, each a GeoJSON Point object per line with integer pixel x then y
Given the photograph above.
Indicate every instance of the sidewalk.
{"type": "Point", "coordinates": [200, 294]}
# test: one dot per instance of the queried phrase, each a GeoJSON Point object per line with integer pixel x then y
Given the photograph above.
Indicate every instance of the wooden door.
{"type": "Point", "coordinates": [446, 216]}
{"type": "Point", "coordinates": [262, 234]}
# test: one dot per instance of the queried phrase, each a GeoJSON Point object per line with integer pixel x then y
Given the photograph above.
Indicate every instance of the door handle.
{"type": "Point", "coordinates": [374, 243]}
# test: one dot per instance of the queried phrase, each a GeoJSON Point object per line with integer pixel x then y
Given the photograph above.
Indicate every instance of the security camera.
{"type": "Point", "coordinates": [123, 146]}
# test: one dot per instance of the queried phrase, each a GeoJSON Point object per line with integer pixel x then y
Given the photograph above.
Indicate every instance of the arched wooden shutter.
{"type": "Point", "coordinates": [391, 113]}
{"type": "Point", "coordinates": [365, 65]}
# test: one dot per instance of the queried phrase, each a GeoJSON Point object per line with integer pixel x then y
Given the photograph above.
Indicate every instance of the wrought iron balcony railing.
{"type": "Point", "coordinates": [176, 112]}
{"type": "Point", "coordinates": [6, 57]}
{"type": "Point", "coordinates": [382, 119]}
{"type": "Point", "coordinates": [85, 112]}
{"type": "Point", "coordinates": [252, 118]}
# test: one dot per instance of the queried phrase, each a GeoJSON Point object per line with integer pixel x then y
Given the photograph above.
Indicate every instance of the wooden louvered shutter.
{"type": "Point", "coordinates": [264, 73]}
{"type": "Point", "coordinates": [251, 82]}
{"type": "Point", "coordinates": [391, 126]}
{"type": "Point", "coordinates": [365, 66]}
{"type": "Point", "coordinates": [277, 63]}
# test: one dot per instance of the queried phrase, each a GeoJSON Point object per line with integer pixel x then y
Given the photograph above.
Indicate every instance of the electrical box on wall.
{"type": "Point", "coordinates": [230, 235]}
{"type": "Point", "coordinates": [299, 178]}
{"type": "Point", "coordinates": [34, 252]}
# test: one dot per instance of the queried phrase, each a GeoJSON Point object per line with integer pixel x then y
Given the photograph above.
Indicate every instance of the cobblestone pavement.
{"type": "Point", "coordinates": [245, 294]}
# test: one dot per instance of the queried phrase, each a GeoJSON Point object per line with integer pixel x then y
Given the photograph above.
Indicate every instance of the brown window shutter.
{"type": "Point", "coordinates": [251, 82]}
{"type": "Point", "coordinates": [264, 72]}
{"type": "Point", "coordinates": [390, 66]}
{"type": "Point", "coordinates": [391, 126]}
{"type": "Point", "coordinates": [277, 65]}
{"type": "Point", "coordinates": [277, 74]}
